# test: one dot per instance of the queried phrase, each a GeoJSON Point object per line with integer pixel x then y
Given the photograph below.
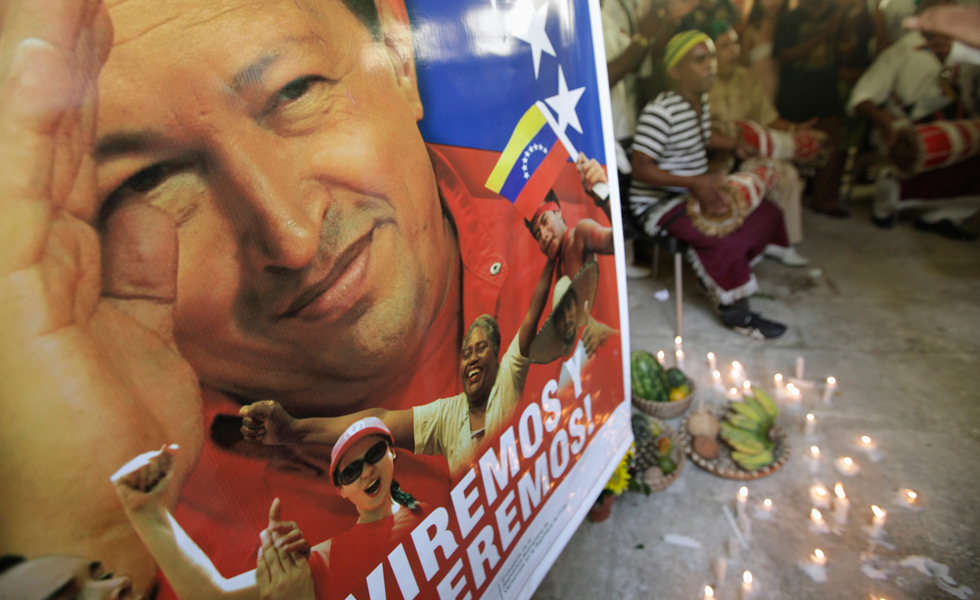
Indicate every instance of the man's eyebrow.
{"type": "Point", "coordinates": [130, 142]}
{"type": "Point", "coordinates": [251, 76]}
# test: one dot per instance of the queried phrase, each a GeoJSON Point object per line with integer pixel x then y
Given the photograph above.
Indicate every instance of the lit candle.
{"type": "Point", "coordinates": [678, 343]}
{"type": "Point", "coordinates": [733, 393]}
{"type": "Point", "coordinates": [712, 362]}
{"type": "Point", "coordinates": [867, 444]}
{"type": "Point", "coordinates": [709, 592]}
{"type": "Point", "coordinates": [767, 505]}
{"type": "Point", "coordinates": [847, 466]}
{"type": "Point", "coordinates": [828, 390]}
{"type": "Point", "coordinates": [777, 385]}
{"type": "Point", "coordinates": [716, 379]}
{"type": "Point", "coordinates": [746, 385]}
{"type": "Point", "coordinates": [809, 425]}
{"type": "Point", "coordinates": [661, 357]}
{"type": "Point", "coordinates": [841, 504]}
{"type": "Point", "coordinates": [747, 585]}
{"type": "Point", "coordinates": [877, 521]}
{"type": "Point", "coordinates": [793, 393]}
{"type": "Point", "coordinates": [679, 359]}
{"type": "Point", "coordinates": [818, 558]}
{"type": "Point", "coordinates": [819, 496]}
{"type": "Point", "coordinates": [910, 497]}
{"type": "Point", "coordinates": [799, 367]}
{"type": "Point", "coordinates": [817, 518]}
{"type": "Point", "coordinates": [743, 497]}
{"type": "Point", "coordinates": [814, 459]}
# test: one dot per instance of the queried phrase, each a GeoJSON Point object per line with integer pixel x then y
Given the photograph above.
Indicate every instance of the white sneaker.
{"type": "Point", "coordinates": [635, 272]}
{"type": "Point", "coordinates": [788, 256]}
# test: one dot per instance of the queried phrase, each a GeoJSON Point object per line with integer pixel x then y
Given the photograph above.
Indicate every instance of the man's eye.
{"type": "Point", "coordinates": [294, 89]}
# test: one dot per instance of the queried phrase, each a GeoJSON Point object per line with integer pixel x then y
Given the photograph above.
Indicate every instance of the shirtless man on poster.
{"type": "Point", "coordinates": [320, 244]}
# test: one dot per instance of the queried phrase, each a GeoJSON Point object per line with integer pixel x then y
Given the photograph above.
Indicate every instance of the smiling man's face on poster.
{"type": "Point", "coordinates": [305, 201]}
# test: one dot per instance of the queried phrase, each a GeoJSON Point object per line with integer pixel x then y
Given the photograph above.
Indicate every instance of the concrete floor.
{"type": "Point", "coordinates": [895, 317]}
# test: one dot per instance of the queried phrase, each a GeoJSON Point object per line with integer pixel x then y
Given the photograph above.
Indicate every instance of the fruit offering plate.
{"type": "Point", "coordinates": [723, 465]}
{"type": "Point", "coordinates": [665, 410]}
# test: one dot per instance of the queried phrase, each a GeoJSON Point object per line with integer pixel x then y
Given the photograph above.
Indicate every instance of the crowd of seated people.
{"type": "Point", "coordinates": [686, 76]}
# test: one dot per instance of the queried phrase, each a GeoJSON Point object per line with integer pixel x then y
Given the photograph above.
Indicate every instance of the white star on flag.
{"type": "Point", "coordinates": [564, 103]}
{"type": "Point", "coordinates": [527, 24]}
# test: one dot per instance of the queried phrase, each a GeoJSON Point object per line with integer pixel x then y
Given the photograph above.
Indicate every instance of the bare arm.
{"type": "Point", "coordinates": [140, 485]}
{"type": "Point", "coordinates": [268, 422]}
{"type": "Point", "coordinates": [595, 237]}
{"type": "Point", "coordinates": [704, 187]}
{"type": "Point", "coordinates": [959, 22]}
{"type": "Point", "coordinates": [534, 311]}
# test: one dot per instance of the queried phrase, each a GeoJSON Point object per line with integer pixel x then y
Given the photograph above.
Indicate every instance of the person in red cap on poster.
{"type": "Point", "coordinates": [362, 468]}
{"type": "Point", "coordinates": [454, 427]}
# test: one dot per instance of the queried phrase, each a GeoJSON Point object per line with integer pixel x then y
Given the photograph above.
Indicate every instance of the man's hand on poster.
{"type": "Point", "coordinates": [267, 422]}
{"type": "Point", "coordinates": [709, 197]}
{"type": "Point", "coordinates": [88, 368]}
{"type": "Point", "coordinates": [594, 334]}
{"type": "Point", "coordinates": [282, 575]}
{"type": "Point", "coordinates": [593, 180]}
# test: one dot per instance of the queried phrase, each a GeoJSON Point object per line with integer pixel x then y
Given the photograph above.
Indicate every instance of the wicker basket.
{"type": "Point", "coordinates": [723, 465]}
{"type": "Point", "coordinates": [677, 455]}
{"type": "Point", "coordinates": [666, 410]}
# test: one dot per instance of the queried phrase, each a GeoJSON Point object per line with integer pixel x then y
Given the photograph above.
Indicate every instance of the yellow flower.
{"type": "Point", "coordinates": [620, 479]}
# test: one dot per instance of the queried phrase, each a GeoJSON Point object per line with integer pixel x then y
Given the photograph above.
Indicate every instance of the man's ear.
{"type": "Point", "coordinates": [396, 34]}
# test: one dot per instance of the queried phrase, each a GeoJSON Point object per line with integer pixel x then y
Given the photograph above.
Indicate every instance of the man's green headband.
{"type": "Point", "coordinates": [681, 44]}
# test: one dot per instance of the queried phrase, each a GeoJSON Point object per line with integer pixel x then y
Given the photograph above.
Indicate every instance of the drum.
{"type": "Point", "coordinates": [935, 145]}
{"type": "Point", "coordinates": [807, 147]}
{"type": "Point", "coordinates": [744, 191]}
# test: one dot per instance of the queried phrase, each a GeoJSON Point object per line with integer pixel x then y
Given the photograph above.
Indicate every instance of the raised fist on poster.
{"type": "Point", "coordinates": [267, 422]}
{"type": "Point", "coordinates": [141, 482]}
{"type": "Point", "coordinates": [88, 369]}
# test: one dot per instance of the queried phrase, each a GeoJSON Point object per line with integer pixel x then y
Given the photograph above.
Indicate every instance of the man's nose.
{"type": "Point", "coordinates": [280, 227]}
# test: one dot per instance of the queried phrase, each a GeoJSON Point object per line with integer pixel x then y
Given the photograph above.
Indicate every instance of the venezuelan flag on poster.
{"type": "Point", "coordinates": [531, 161]}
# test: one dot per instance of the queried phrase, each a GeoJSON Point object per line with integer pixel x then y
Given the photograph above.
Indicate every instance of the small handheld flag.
{"type": "Point", "coordinates": [531, 161]}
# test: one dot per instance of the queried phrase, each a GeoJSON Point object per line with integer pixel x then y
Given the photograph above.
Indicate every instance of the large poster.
{"type": "Point", "coordinates": [305, 299]}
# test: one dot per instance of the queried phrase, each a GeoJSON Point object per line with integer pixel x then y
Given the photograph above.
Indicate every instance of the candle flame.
{"type": "Point", "coordinates": [709, 592]}
{"type": "Point", "coordinates": [747, 384]}
{"type": "Point", "coordinates": [814, 451]}
{"type": "Point", "coordinates": [716, 375]}
{"type": "Point", "coordinates": [847, 461]}
{"type": "Point", "coordinates": [734, 392]}
{"type": "Point", "coordinates": [736, 365]}
{"type": "Point", "coordinates": [815, 515]}
{"type": "Point", "coordinates": [767, 502]}
{"type": "Point", "coordinates": [711, 356]}
{"type": "Point", "coordinates": [818, 553]}
{"type": "Point", "coordinates": [747, 577]}
{"type": "Point", "coordinates": [734, 373]}
{"type": "Point", "coordinates": [743, 492]}
{"type": "Point", "coordinates": [680, 354]}
{"type": "Point", "coordinates": [912, 495]}
{"type": "Point", "coordinates": [678, 340]}
{"type": "Point", "coordinates": [778, 377]}
{"type": "Point", "coordinates": [810, 417]}
{"type": "Point", "coordinates": [839, 490]}
{"type": "Point", "coordinates": [831, 380]}
{"type": "Point", "coordinates": [792, 389]}
{"type": "Point", "coordinates": [877, 511]}
{"type": "Point", "coordinates": [820, 491]}
{"type": "Point", "coordinates": [865, 439]}
{"type": "Point", "coordinates": [660, 355]}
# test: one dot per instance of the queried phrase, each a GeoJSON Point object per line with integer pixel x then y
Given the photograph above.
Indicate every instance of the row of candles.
{"type": "Point", "coordinates": [840, 505]}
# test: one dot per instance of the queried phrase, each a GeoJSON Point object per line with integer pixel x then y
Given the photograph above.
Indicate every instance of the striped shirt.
{"type": "Point", "coordinates": [670, 132]}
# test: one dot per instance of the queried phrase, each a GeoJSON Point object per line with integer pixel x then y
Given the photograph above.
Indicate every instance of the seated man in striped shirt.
{"type": "Point", "coordinates": [670, 163]}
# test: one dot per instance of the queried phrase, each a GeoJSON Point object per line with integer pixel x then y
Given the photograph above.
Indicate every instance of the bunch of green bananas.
{"type": "Point", "coordinates": [746, 430]}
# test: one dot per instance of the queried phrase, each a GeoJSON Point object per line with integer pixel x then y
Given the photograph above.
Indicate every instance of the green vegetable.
{"type": "Point", "coordinates": [649, 381]}
{"type": "Point", "coordinates": [666, 465]}
{"type": "Point", "coordinates": [676, 377]}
